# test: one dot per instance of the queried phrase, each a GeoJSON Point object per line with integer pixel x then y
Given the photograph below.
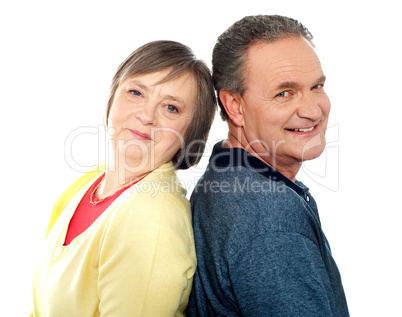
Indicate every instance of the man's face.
{"type": "Point", "coordinates": [285, 109]}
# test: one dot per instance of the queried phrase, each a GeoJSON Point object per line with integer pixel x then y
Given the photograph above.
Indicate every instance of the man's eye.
{"type": "Point", "coordinates": [318, 86]}
{"type": "Point", "coordinates": [283, 94]}
{"type": "Point", "coordinates": [135, 92]}
{"type": "Point", "coordinates": [172, 108]}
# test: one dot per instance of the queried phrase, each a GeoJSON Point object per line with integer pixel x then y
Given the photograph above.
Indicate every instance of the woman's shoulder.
{"type": "Point", "coordinates": [160, 194]}
{"type": "Point", "coordinates": [71, 192]}
{"type": "Point", "coordinates": [153, 206]}
{"type": "Point", "coordinates": [78, 185]}
{"type": "Point", "coordinates": [162, 186]}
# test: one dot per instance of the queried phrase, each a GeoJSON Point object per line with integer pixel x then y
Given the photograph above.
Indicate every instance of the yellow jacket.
{"type": "Point", "coordinates": [137, 259]}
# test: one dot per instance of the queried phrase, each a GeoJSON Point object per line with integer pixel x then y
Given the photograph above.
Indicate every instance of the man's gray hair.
{"type": "Point", "coordinates": [230, 51]}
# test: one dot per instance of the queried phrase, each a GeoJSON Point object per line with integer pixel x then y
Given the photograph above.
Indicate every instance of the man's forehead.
{"type": "Point", "coordinates": [286, 60]}
{"type": "Point", "coordinates": [284, 52]}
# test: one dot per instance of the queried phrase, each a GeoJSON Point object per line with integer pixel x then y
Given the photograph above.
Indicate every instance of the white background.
{"type": "Point", "coordinates": [57, 60]}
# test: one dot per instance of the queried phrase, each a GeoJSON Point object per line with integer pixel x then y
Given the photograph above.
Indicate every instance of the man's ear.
{"type": "Point", "coordinates": [233, 106]}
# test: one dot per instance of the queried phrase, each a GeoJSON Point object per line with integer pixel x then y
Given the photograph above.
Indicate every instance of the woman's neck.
{"type": "Point", "coordinates": [119, 174]}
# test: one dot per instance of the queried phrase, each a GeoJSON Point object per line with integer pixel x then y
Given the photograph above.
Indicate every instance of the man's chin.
{"type": "Point", "coordinates": [313, 148]}
{"type": "Point", "coordinates": [312, 153]}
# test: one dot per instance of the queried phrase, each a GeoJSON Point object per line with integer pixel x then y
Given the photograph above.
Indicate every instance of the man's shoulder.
{"type": "Point", "coordinates": [234, 171]}
{"type": "Point", "coordinates": [244, 195]}
{"type": "Point", "coordinates": [240, 197]}
{"type": "Point", "coordinates": [238, 183]}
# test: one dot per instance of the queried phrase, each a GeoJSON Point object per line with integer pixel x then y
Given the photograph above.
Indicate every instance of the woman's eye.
{"type": "Point", "coordinates": [135, 92]}
{"type": "Point", "coordinates": [172, 108]}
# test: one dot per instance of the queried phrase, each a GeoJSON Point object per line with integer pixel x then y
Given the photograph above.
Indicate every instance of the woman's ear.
{"type": "Point", "coordinates": [233, 106]}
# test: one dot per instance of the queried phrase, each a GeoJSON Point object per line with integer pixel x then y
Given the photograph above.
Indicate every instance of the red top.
{"type": "Point", "coordinates": [86, 213]}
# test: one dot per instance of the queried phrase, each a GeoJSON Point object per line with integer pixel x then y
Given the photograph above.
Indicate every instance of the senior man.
{"type": "Point", "coordinates": [260, 246]}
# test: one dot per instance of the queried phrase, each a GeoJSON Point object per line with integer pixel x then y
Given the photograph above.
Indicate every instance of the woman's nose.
{"type": "Point", "coordinates": [147, 115]}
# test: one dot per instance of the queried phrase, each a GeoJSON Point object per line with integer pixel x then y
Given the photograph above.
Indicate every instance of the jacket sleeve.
{"type": "Point", "coordinates": [280, 274]}
{"type": "Point", "coordinates": [147, 259]}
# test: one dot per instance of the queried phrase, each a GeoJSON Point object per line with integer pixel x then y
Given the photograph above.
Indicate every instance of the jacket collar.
{"type": "Point", "coordinates": [232, 157]}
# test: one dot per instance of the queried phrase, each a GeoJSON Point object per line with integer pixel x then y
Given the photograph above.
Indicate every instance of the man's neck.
{"type": "Point", "coordinates": [288, 170]}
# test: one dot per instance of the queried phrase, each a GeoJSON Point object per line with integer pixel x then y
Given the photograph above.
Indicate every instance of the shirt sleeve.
{"type": "Point", "coordinates": [147, 259]}
{"type": "Point", "coordinates": [280, 274]}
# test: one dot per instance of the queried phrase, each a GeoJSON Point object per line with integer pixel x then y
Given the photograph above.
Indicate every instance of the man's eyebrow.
{"type": "Point", "coordinates": [288, 84]}
{"type": "Point", "coordinates": [293, 85]}
{"type": "Point", "coordinates": [322, 79]}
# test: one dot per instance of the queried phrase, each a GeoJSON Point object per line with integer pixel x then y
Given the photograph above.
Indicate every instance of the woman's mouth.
{"type": "Point", "coordinates": [140, 135]}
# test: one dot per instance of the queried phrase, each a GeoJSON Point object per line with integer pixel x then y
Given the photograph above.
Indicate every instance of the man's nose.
{"type": "Point", "coordinates": [309, 107]}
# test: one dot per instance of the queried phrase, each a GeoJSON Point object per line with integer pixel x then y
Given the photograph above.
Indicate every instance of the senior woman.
{"type": "Point", "coordinates": [120, 242]}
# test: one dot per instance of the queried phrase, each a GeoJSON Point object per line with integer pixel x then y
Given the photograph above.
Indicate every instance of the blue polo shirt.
{"type": "Point", "coordinates": [260, 247]}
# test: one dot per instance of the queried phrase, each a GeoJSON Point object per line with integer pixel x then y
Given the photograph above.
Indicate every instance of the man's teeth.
{"type": "Point", "coordinates": [303, 130]}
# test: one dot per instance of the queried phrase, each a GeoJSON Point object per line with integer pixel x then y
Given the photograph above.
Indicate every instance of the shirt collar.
{"type": "Point", "coordinates": [231, 157]}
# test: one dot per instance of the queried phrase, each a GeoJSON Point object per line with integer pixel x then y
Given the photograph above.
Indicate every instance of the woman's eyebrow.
{"type": "Point", "coordinates": [139, 84]}
{"type": "Point", "coordinates": [148, 88]}
{"type": "Point", "coordinates": [174, 98]}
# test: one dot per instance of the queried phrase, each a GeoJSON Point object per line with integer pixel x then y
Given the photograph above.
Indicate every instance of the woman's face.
{"type": "Point", "coordinates": [148, 120]}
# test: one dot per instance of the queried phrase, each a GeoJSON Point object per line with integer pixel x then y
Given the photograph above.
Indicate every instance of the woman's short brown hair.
{"type": "Point", "coordinates": [161, 55]}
